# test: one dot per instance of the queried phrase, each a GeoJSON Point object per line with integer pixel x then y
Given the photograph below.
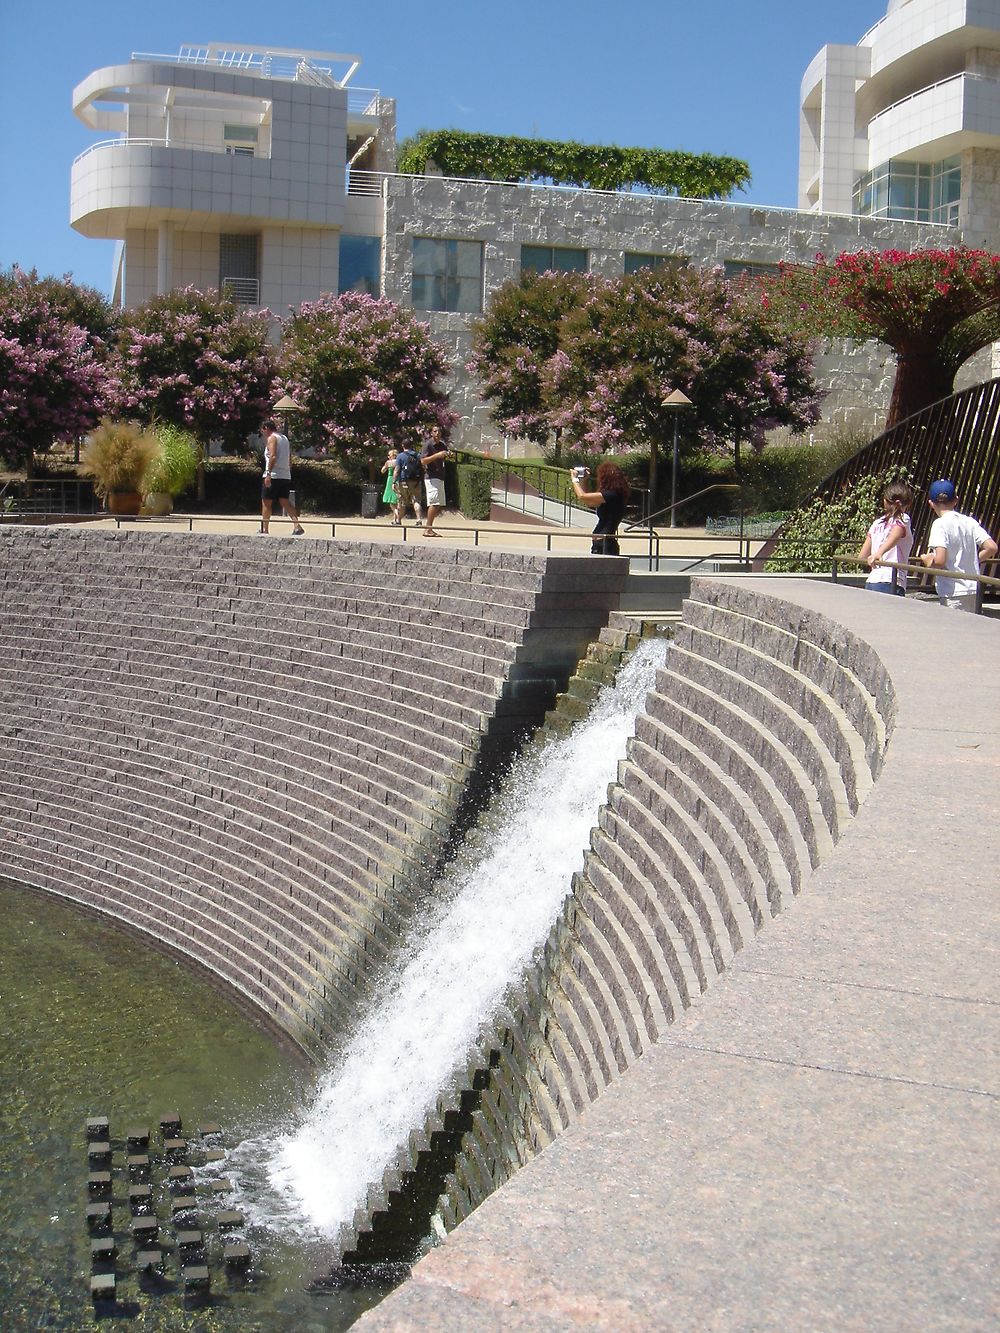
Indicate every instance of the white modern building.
{"type": "Point", "coordinates": [906, 124]}
{"type": "Point", "coordinates": [270, 174]}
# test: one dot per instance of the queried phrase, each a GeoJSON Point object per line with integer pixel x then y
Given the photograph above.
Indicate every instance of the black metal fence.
{"type": "Point", "coordinates": [48, 495]}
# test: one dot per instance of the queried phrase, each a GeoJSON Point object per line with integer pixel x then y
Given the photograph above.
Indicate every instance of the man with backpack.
{"type": "Point", "coordinates": [408, 475]}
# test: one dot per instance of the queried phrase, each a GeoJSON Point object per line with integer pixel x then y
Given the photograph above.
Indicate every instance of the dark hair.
{"type": "Point", "coordinates": [900, 496]}
{"type": "Point", "coordinates": [610, 477]}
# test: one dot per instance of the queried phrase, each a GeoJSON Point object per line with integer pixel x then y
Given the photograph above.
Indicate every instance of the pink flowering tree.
{"type": "Point", "coordinates": [934, 308]}
{"type": "Point", "coordinates": [514, 342]}
{"type": "Point", "coordinates": [598, 376]}
{"type": "Point", "coordinates": [366, 374]}
{"type": "Point", "coordinates": [53, 385]}
{"type": "Point", "coordinates": [198, 361]}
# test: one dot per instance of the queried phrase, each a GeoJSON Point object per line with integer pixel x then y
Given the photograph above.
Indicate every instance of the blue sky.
{"type": "Point", "coordinates": [718, 76]}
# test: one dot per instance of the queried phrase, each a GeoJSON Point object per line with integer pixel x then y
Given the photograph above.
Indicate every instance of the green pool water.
{"type": "Point", "coordinates": [94, 1023]}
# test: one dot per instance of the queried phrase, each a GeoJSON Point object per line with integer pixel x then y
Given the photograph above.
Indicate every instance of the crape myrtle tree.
{"type": "Point", "coordinates": [53, 383]}
{"type": "Point", "coordinates": [620, 346]}
{"type": "Point", "coordinates": [514, 343]}
{"type": "Point", "coordinates": [198, 361]}
{"type": "Point", "coordinates": [365, 374]}
{"type": "Point", "coordinates": [934, 308]}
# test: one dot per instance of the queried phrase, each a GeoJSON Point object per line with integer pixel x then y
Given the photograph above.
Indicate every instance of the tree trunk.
{"type": "Point", "coordinates": [922, 377]}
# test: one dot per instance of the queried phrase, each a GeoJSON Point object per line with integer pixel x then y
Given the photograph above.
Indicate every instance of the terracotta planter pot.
{"type": "Point", "coordinates": [124, 502]}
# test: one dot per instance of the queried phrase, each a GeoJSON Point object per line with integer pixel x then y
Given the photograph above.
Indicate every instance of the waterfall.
{"type": "Point", "coordinates": [493, 913]}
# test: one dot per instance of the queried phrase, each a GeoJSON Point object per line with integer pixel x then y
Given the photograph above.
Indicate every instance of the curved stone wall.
{"type": "Point", "coordinates": [254, 749]}
{"type": "Point", "coordinates": [764, 733]}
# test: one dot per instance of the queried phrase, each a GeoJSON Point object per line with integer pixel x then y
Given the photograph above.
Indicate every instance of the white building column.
{"type": "Point", "coordinates": [164, 257]}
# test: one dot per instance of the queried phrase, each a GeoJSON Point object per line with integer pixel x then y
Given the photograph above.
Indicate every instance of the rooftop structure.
{"type": "Point", "coordinates": [906, 124]}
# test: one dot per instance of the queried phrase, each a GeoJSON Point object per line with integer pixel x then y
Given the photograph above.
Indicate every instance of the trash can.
{"type": "Point", "coordinates": [370, 494]}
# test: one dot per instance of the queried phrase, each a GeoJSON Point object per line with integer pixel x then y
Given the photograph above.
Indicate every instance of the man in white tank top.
{"type": "Point", "coordinates": [276, 483]}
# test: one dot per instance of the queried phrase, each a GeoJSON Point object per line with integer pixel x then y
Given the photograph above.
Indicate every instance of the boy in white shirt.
{"type": "Point", "coordinates": [957, 542]}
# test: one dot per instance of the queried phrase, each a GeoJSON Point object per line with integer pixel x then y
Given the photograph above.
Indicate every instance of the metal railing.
{"type": "Point", "coordinates": [48, 495]}
{"type": "Point", "coordinates": [244, 291]}
{"type": "Point", "coordinates": [924, 573]}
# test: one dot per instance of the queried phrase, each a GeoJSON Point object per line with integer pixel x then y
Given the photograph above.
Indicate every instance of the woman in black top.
{"type": "Point", "coordinates": [609, 500]}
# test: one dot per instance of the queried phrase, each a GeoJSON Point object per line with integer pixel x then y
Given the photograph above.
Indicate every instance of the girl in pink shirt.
{"type": "Point", "coordinates": [889, 541]}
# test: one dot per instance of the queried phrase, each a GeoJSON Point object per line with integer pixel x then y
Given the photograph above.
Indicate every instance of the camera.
{"type": "Point", "coordinates": [581, 472]}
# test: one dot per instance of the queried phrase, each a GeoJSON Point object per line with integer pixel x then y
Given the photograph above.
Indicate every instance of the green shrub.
{"type": "Point", "coordinates": [825, 527]}
{"type": "Point", "coordinates": [473, 489]}
{"type": "Point", "coordinates": [232, 486]}
{"type": "Point", "coordinates": [783, 476]}
{"type": "Point", "coordinates": [175, 467]}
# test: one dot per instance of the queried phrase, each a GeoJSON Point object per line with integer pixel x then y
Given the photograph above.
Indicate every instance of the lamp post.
{"type": "Point", "coordinates": [676, 402]}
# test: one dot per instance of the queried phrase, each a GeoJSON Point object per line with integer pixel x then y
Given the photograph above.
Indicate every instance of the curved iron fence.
{"type": "Point", "coordinates": [957, 437]}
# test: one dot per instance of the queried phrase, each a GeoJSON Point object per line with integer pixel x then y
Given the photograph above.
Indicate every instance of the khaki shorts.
{"type": "Point", "coordinates": [409, 493]}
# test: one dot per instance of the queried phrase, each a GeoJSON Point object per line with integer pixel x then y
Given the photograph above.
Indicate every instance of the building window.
{"type": "Point", "coordinates": [750, 268]}
{"type": "Point", "coordinates": [239, 271]}
{"type": "Point", "coordinates": [635, 260]}
{"type": "Point", "coordinates": [447, 275]}
{"type": "Point", "coordinates": [360, 264]}
{"type": "Point", "coordinates": [240, 139]}
{"type": "Point", "coordinates": [911, 191]}
{"type": "Point", "coordinates": [552, 259]}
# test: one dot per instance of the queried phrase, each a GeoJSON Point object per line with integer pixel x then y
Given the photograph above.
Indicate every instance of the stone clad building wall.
{"type": "Point", "coordinates": [606, 224]}
{"type": "Point", "coordinates": [254, 751]}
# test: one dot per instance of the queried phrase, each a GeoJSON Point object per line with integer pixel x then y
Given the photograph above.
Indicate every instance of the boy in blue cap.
{"type": "Point", "coordinates": [957, 542]}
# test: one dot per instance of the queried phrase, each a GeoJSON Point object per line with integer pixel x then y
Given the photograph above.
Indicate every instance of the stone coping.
{"type": "Point", "coordinates": [810, 1146]}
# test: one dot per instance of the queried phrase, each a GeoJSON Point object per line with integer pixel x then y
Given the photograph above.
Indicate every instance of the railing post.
{"type": "Point", "coordinates": [833, 570]}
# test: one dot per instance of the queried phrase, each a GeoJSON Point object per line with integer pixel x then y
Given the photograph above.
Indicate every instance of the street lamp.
{"type": "Point", "coordinates": [676, 401]}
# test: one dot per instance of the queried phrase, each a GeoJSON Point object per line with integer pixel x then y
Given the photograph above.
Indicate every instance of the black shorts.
{"type": "Point", "coordinates": [279, 489]}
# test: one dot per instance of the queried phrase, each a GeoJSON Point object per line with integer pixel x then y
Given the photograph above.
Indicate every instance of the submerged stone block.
{"type": "Point", "coordinates": [194, 1276]}
{"type": "Point", "coordinates": [137, 1164]}
{"type": "Point", "coordinates": [221, 1186]}
{"type": "Point", "coordinates": [102, 1287]}
{"type": "Point", "coordinates": [99, 1151]}
{"type": "Point", "coordinates": [98, 1215]}
{"type": "Point", "coordinates": [137, 1136]}
{"type": "Point", "coordinates": [145, 1229]}
{"type": "Point", "coordinates": [180, 1177]}
{"type": "Point", "coordinates": [149, 1261]}
{"type": "Point", "coordinates": [215, 1155]}
{"type": "Point", "coordinates": [209, 1129]}
{"type": "Point", "coordinates": [98, 1127]}
{"type": "Point", "coordinates": [140, 1198]}
{"type": "Point", "coordinates": [103, 1249]}
{"type": "Point", "coordinates": [99, 1182]}
{"type": "Point", "coordinates": [170, 1124]}
{"type": "Point", "coordinates": [229, 1218]}
{"type": "Point", "coordinates": [236, 1254]}
{"type": "Point", "coordinates": [183, 1203]}
{"type": "Point", "coordinates": [189, 1240]}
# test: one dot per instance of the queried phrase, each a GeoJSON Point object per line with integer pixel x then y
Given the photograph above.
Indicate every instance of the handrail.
{"type": "Point", "coordinates": [924, 571]}
{"type": "Point", "coordinates": [695, 495]}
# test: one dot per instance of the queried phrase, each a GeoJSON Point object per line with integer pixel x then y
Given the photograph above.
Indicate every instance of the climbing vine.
{"type": "Point", "coordinates": [589, 166]}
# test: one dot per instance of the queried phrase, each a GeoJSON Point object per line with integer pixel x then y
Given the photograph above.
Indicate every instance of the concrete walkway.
{"type": "Point", "coordinates": [813, 1146]}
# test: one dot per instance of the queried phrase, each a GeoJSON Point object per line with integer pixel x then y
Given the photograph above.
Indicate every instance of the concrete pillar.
{"type": "Point", "coordinates": [164, 257]}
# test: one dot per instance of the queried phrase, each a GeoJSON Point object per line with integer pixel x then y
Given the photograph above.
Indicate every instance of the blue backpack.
{"type": "Point", "coordinates": [409, 465]}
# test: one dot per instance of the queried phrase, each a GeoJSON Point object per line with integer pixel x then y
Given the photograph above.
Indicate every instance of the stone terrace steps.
{"type": "Point", "coordinates": [256, 751]}
{"type": "Point", "coordinates": [754, 751]}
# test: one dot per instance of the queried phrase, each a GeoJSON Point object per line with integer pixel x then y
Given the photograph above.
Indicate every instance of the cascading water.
{"type": "Point", "coordinates": [493, 914]}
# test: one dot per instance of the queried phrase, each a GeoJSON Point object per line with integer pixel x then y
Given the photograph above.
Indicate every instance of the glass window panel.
{"type": "Point", "coordinates": [360, 264]}
{"type": "Point", "coordinates": [566, 260]}
{"type": "Point", "coordinates": [469, 259]}
{"type": "Point", "coordinates": [428, 255]}
{"type": "Point", "coordinates": [537, 258]}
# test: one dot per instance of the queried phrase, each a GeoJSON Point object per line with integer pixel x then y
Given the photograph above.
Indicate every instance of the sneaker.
{"type": "Point", "coordinates": [298, 532]}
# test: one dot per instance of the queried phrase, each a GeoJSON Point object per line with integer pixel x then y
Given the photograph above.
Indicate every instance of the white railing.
{"type": "Point", "coordinates": [244, 291]}
{"type": "Point", "coordinates": [363, 101]}
{"type": "Point", "coordinates": [369, 183]}
{"type": "Point", "coordinates": [931, 87]}
{"type": "Point", "coordinates": [265, 62]}
{"type": "Point", "coordinates": [225, 150]}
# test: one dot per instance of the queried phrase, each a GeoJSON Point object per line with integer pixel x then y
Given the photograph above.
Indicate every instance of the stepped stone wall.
{"type": "Point", "coordinates": [765, 730]}
{"type": "Point", "coordinates": [254, 750]}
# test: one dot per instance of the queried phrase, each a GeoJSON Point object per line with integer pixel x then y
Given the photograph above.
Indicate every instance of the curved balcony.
{"type": "Point", "coordinates": [139, 182]}
{"type": "Point", "coordinates": [938, 121]}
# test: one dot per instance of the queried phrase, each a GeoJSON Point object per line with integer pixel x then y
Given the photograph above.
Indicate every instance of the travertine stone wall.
{"type": "Point", "coordinates": [505, 217]}
{"type": "Point", "coordinates": [764, 732]}
{"type": "Point", "coordinates": [253, 749]}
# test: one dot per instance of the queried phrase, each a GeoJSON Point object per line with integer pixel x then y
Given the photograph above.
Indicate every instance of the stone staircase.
{"type": "Point", "coordinates": [763, 735]}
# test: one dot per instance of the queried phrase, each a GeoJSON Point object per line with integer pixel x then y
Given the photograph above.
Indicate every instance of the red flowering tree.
{"type": "Point", "coordinates": [53, 385]}
{"type": "Point", "coordinates": [934, 308]}
{"type": "Point", "coordinates": [198, 361]}
{"type": "Point", "coordinates": [365, 372]}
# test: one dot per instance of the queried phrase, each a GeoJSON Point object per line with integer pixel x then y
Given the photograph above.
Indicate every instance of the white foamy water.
{"type": "Point", "coordinates": [493, 915]}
